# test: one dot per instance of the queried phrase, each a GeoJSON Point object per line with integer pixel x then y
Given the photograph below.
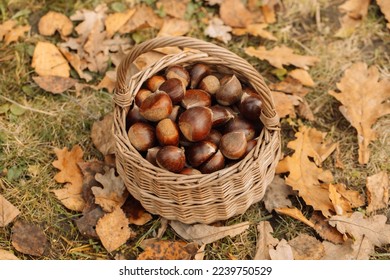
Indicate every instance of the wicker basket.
{"type": "Point", "coordinates": [201, 198]}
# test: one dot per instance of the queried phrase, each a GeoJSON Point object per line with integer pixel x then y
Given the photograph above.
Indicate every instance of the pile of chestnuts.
{"type": "Point", "coordinates": [194, 120]}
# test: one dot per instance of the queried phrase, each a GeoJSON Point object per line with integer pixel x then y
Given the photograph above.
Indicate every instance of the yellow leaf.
{"type": "Point", "coordinates": [48, 61]}
{"type": "Point", "coordinates": [16, 33]}
{"type": "Point", "coordinates": [8, 212]}
{"type": "Point", "coordinates": [52, 22]}
{"type": "Point", "coordinates": [285, 104]}
{"type": "Point", "coordinates": [377, 191]}
{"type": "Point", "coordinates": [174, 27]}
{"type": "Point", "coordinates": [303, 76]}
{"type": "Point", "coordinates": [235, 14]}
{"type": "Point", "coordinates": [174, 8]}
{"type": "Point", "coordinates": [255, 29]}
{"type": "Point", "coordinates": [294, 213]}
{"type": "Point", "coordinates": [114, 22]}
{"type": "Point", "coordinates": [385, 8]}
{"type": "Point", "coordinates": [6, 27]}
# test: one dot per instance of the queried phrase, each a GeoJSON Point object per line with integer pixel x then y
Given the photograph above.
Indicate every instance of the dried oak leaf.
{"type": "Point", "coordinates": [363, 96]}
{"type": "Point", "coordinates": [276, 195]}
{"type": "Point", "coordinates": [377, 191]}
{"type": "Point", "coordinates": [102, 134]}
{"type": "Point", "coordinates": [8, 212]}
{"type": "Point", "coordinates": [265, 241]}
{"type": "Point", "coordinates": [235, 14]}
{"type": "Point", "coordinates": [6, 27]}
{"type": "Point", "coordinates": [174, 27]}
{"type": "Point", "coordinates": [15, 33]}
{"type": "Point", "coordinates": [134, 211]}
{"type": "Point", "coordinates": [385, 9]}
{"type": "Point", "coordinates": [155, 249]}
{"type": "Point", "coordinates": [280, 56]}
{"type": "Point", "coordinates": [54, 84]}
{"type": "Point", "coordinates": [285, 104]}
{"type": "Point", "coordinates": [325, 230]}
{"type": "Point", "coordinates": [108, 82]}
{"type": "Point", "coordinates": [113, 229]}
{"type": "Point", "coordinates": [29, 239]}
{"type": "Point", "coordinates": [306, 247]}
{"type": "Point", "coordinates": [173, 8]}
{"type": "Point", "coordinates": [67, 163]}
{"type": "Point", "coordinates": [255, 29]}
{"type": "Point", "coordinates": [304, 175]}
{"type": "Point", "coordinates": [294, 213]}
{"type": "Point", "coordinates": [114, 22]}
{"type": "Point", "coordinates": [343, 200]}
{"type": "Point", "coordinates": [7, 255]}
{"type": "Point", "coordinates": [349, 250]}
{"type": "Point", "coordinates": [54, 21]}
{"type": "Point", "coordinates": [302, 76]}
{"type": "Point", "coordinates": [205, 234]}
{"type": "Point", "coordinates": [75, 61]}
{"type": "Point", "coordinates": [282, 251]}
{"type": "Point", "coordinates": [48, 61]}
{"type": "Point", "coordinates": [356, 9]}
{"type": "Point", "coordinates": [268, 10]}
{"type": "Point", "coordinates": [216, 29]}
{"type": "Point", "coordinates": [113, 194]}
{"type": "Point", "coordinates": [87, 223]}
{"type": "Point", "coordinates": [290, 85]}
{"type": "Point", "coordinates": [89, 20]}
{"type": "Point", "coordinates": [143, 17]}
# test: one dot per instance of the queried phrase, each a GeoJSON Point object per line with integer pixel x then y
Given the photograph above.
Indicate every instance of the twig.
{"type": "Point", "coordinates": [26, 107]}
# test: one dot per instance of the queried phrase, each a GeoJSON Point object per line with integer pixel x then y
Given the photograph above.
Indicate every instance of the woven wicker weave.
{"type": "Point", "coordinates": [201, 198]}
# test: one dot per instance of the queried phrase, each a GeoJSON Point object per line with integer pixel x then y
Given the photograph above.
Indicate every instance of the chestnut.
{"type": "Point", "coordinates": [250, 145]}
{"type": "Point", "coordinates": [214, 136]}
{"type": "Point", "coordinates": [178, 72]}
{"type": "Point", "coordinates": [154, 82]}
{"type": "Point", "coordinates": [174, 113]}
{"type": "Point", "coordinates": [195, 123]}
{"type": "Point", "coordinates": [221, 115]}
{"type": "Point", "coordinates": [196, 97]}
{"type": "Point", "coordinates": [142, 136]}
{"type": "Point", "coordinates": [171, 158]}
{"type": "Point", "coordinates": [141, 95]}
{"type": "Point", "coordinates": [250, 106]}
{"type": "Point", "coordinates": [174, 88]}
{"type": "Point", "coordinates": [214, 163]}
{"type": "Point", "coordinates": [152, 154]}
{"type": "Point", "coordinates": [197, 73]}
{"type": "Point", "coordinates": [241, 124]}
{"type": "Point", "coordinates": [133, 116]}
{"type": "Point", "coordinates": [190, 171]}
{"type": "Point", "coordinates": [199, 152]}
{"type": "Point", "coordinates": [233, 144]}
{"type": "Point", "coordinates": [167, 132]}
{"type": "Point", "coordinates": [230, 91]}
{"type": "Point", "coordinates": [210, 84]}
{"type": "Point", "coordinates": [156, 107]}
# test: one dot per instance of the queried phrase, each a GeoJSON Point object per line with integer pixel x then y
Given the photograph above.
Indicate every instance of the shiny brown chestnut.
{"type": "Point", "coordinates": [175, 112]}
{"type": "Point", "coordinates": [142, 136]}
{"type": "Point", "coordinates": [167, 132]}
{"type": "Point", "coordinates": [171, 158]}
{"type": "Point", "coordinates": [151, 155]}
{"type": "Point", "coordinates": [174, 88]}
{"type": "Point", "coordinates": [154, 82]}
{"type": "Point", "coordinates": [200, 152]}
{"type": "Point", "coordinates": [178, 72]}
{"type": "Point", "coordinates": [230, 91]}
{"type": "Point", "coordinates": [190, 171]}
{"type": "Point", "coordinates": [214, 163]}
{"type": "Point", "coordinates": [233, 144]}
{"type": "Point", "coordinates": [250, 106]}
{"type": "Point", "coordinates": [210, 84]}
{"type": "Point", "coordinates": [141, 95]}
{"type": "Point", "coordinates": [156, 107]}
{"type": "Point", "coordinates": [221, 115]}
{"type": "Point", "coordinates": [250, 145]}
{"type": "Point", "coordinates": [196, 97]}
{"type": "Point", "coordinates": [241, 124]}
{"type": "Point", "coordinates": [133, 116]}
{"type": "Point", "coordinates": [195, 123]}
{"type": "Point", "coordinates": [214, 136]}
{"type": "Point", "coordinates": [197, 73]}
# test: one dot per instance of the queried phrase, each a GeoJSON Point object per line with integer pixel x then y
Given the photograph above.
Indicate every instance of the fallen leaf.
{"type": "Point", "coordinates": [54, 21]}
{"type": "Point", "coordinates": [28, 238]}
{"type": "Point", "coordinates": [102, 134]}
{"type": "Point", "coordinates": [6, 27]}
{"type": "Point", "coordinates": [304, 111]}
{"type": "Point", "coordinates": [54, 84]}
{"type": "Point", "coordinates": [48, 61]}
{"type": "Point", "coordinates": [174, 27]}
{"type": "Point", "coordinates": [285, 104]}
{"type": "Point", "coordinates": [113, 229]}
{"type": "Point", "coordinates": [8, 212]}
{"type": "Point", "coordinates": [155, 249]}
{"type": "Point", "coordinates": [290, 85]}
{"type": "Point", "coordinates": [282, 251]}
{"type": "Point", "coordinates": [67, 163]}
{"type": "Point", "coordinates": [108, 82]}
{"type": "Point", "coordinates": [280, 56]}
{"type": "Point", "coordinates": [348, 26]}
{"type": "Point", "coordinates": [276, 195]}
{"type": "Point", "coordinates": [235, 14]}
{"type": "Point", "coordinates": [143, 17]}
{"type": "Point", "coordinates": [205, 234]}
{"type": "Point", "coordinates": [304, 175]}
{"type": "Point", "coordinates": [255, 29]}
{"type": "Point", "coordinates": [89, 20]}
{"type": "Point", "coordinates": [200, 254]}
{"type": "Point", "coordinates": [134, 211]}
{"type": "Point", "coordinates": [377, 191]}
{"type": "Point", "coordinates": [354, 198]}
{"type": "Point", "coordinates": [306, 247]}
{"type": "Point", "coordinates": [294, 213]}
{"type": "Point", "coordinates": [76, 63]}
{"type": "Point", "coordinates": [339, 206]}
{"type": "Point", "coordinates": [15, 33]}
{"type": "Point", "coordinates": [302, 76]}
{"type": "Point", "coordinates": [113, 194]}
{"type": "Point", "coordinates": [173, 8]}
{"type": "Point", "coordinates": [349, 250]}
{"type": "Point", "coordinates": [356, 9]}
{"type": "Point", "coordinates": [114, 22]}
{"type": "Point", "coordinates": [144, 60]}
{"type": "Point", "coordinates": [385, 9]}
{"type": "Point", "coordinates": [363, 95]}
{"type": "Point", "coordinates": [268, 10]}
{"type": "Point", "coordinates": [216, 29]}
{"type": "Point", "coordinates": [325, 230]}
{"type": "Point", "coordinates": [265, 241]}
{"type": "Point", "coordinates": [7, 255]}
{"type": "Point", "coordinates": [87, 223]}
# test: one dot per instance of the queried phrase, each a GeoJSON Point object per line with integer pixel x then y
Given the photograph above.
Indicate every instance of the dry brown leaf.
{"type": "Point", "coordinates": [303, 76]}
{"type": "Point", "coordinates": [348, 250]}
{"type": "Point", "coordinates": [340, 207]}
{"type": "Point", "coordinates": [8, 212]}
{"type": "Point", "coordinates": [265, 241]}
{"type": "Point", "coordinates": [29, 239]}
{"type": "Point", "coordinates": [108, 82]}
{"type": "Point", "coordinates": [54, 21]}
{"type": "Point", "coordinates": [354, 198]}
{"type": "Point", "coordinates": [216, 29]}
{"type": "Point", "coordinates": [356, 9]}
{"type": "Point", "coordinates": [294, 213]}
{"type": "Point", "coordinates": [114, 22]}
{"type": "Point", "coordinates": [174, 27]}
{"type": "Point", "coordinates": [235, 14]}
{"type": "Point", "coordinates": [54, 84]}
{"type": "Point", "coordinates": [363, 96]}
{"type": "Point", "coordinates": [173, 8]}
{"type": "Point", "coordinates": [15, 33]}
{"type": "Point", "coordinates": [306, 247]}
{"type": "Point", "coordinates": [325, 230]}
{"type": "Point", "coordinates": [144, 17]}
{"type": "Point", "coordinates": [102, 134]}
{"type": "Point", "coordinates": [134, 211]}
{"type": "Point", "coordinates": [280, 56]}
{"type": "Point", "coordinates": [155, 249]}
{"type": "Point", "coordinates": [76, 63]}
{"type": "Point", "coordinates": [204, 234]}
{"type": "Point", "coordinates": [113, 230]}
{"type": "Point", "coordinates": [290, 85]}
{"type": "Point", "coordinates": [268, 10]}
{"type": "Point", "coordinates": [113, 194]}
{"type": "Point", "coordinates": [282, 251]}
{"type": "Point", "coordinates": [304, 175]}
{"type": "Point", "coordinates": [377, 191]}
{"type": "Point", "coordinates": [276, 195]}
{"type": "Point", "coordinates": [348, 26]}
{"type": "Point", "coordinates": [6, 27]}
{"type": "Point", "coordinates": [145, 60]}
{"type": "Point", "coordinates": [285, 104]}
{"type": "Point", "coordinates": [48, 61]}
{"type": "Point", "coordinates": [373, 228]}
{"type": "Point", "coordinates": [67, 163]}
{"type": "Point", "coordinates": [7, 255]}
{"type": "Point", "coordinates": [304, 111]}
{"type": "Point", "coordinates": [255, 29]}
{"type": "Point", "coordinates": [384, 5]}
{"type": "Point", "coordinates": [89, 20]}
{"type": "Point", "coordinates": [87, 223]}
